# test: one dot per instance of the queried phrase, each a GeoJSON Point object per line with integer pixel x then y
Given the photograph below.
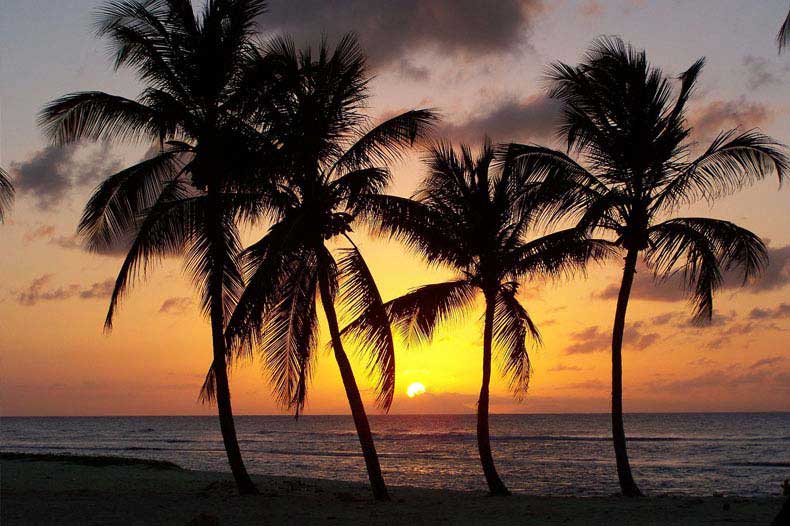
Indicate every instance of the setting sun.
{"type": "Point", "coordinates": [415, 389]}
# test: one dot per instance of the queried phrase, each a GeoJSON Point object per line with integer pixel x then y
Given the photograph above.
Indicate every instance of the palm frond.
{"type": "Point", "coordinates": [562, 253]}
{"type": "Point", "coordinates": [701, 248]}
{"type": "Point", "coordinates": [99, 116]}
{"type": "Point", "coordinates": [353, 185]}
{"type": "Point", "coordinates": [6, 194]}
{"type": "Point", "coordinates": [418, 226]}
{"type": "Point", "coordinates": [512, 327]}
{"type": "Point", "coordinates": [118, 202]}
{"type": "Point", "coordinates": [289, 334]}
{"type": "Point", "coordinates": [385, 143]}
{"type": "Point", "coordinates": [164, 230]}
{"type": "Point", "coordinates": [732, 161]}
{"type": "Point", "coordinates": [371, 335]}
{"type": "Point", "coordinates": [783, 37]}
{"type": "Point", "coordinates": [416, 314]}
{"type": "Point", "coordinates": [208, 391]}
{"type": "Point", "coordinates": [214, 252]}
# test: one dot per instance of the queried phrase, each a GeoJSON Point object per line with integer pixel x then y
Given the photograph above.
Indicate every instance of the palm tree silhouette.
{"type": "Point", "coordinates": [329, 160]}
{"type": "Point", "coordinates": [783, 37]}
{"type": "Point", "coordinates": [186, 198]}
{"type": "Point", "coordinates": [6, 194]}
{"type": "Point", "coordinates": [472, 214]}
{"type": "Point", "coordinates": [619, 114]}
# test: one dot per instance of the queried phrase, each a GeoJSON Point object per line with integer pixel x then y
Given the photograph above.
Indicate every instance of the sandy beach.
{"type": "Point", "coordinates": [103, 490]}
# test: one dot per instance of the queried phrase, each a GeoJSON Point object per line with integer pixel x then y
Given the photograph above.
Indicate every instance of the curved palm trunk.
{"type": "Point", "coordinates": [354, 399]}
{"type": "Point", "coordinates": [495, 484]}
{"type": "Point", "coordinates": [627, 484]}
{"type": "Point", "coordinates": [226, 424]}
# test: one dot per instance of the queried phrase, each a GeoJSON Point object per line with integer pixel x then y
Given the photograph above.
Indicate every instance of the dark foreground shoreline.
{"type": "Point", "coordinates": [78, 490]}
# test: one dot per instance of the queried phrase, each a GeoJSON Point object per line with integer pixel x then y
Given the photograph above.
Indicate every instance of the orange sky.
{"type": "Point", "coordinates": [54, 359]}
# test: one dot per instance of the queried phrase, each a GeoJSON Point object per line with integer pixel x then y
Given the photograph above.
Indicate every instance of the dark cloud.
{"type": "Point", "coordinates": [50, 173]}
{"type": "Point", "coordinates": [391, 30]}
{"type": "Point", "coordinates": [720, 115]}
{"type": "Point", "coordinates": [41, 289]}
{"type": "Point", "coordinates": [532, 119]}
{"type": "Point", "coordinates": [760, 72]}
{"type": "Point", "coordinates": [780, 311]}
{"type": "Point", "coordinates": [176, 305]}
{"type": "Point", "coordinates": [594, 339]}
{"type": "Point", "coordinates": [411, 71]}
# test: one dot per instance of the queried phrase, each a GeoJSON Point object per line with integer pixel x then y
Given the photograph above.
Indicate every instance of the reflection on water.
{"type": "Point", "coordinates": [701, 454]}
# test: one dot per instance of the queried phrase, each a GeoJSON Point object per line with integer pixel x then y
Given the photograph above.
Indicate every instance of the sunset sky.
{"type": "Point", "coordinates": [481, 64]}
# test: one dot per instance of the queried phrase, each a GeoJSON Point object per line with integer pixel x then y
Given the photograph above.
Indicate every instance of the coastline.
{"type": "Point", "coordinates": [47, 489]}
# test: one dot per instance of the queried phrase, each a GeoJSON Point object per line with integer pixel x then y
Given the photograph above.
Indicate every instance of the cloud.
{"type": "Point", "coordinates": [51, 172]}
{"type": "Point", "coordinates": [102, 289]}
{"type": "Point", "coordinates": [411, 71]}
{"type": "Point", "coordinates": [40, 290]}
{"type": "Point", "coordinates": [41, 232]}
{"type": "Point", "coordinates": [703, 362]}
{"type": "Point", "coordinates": [175, 306]}
{"type": "Point", "coordinates": [562, 367]}
{"type": "Point", "coordinates": [593, 339]}
{"type": "Point", "coordinates": [780, 311]}
{"type": "Point", "coordinates": [533, 119]}
{"type": "Point", "coordinates": [760, 72]}
{"type": "Point", "coordinates": [728, 379]}
{"type": "Point", "coordinates": [392, 30]}
{"type": "Point", "coordinates": [719, 115]}
{"type": "Point", "coordinates": [766, 362]}
{"type": "Point", "coordinates": [72, 242]}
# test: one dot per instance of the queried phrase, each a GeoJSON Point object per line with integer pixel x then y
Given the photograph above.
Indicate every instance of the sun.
{"type": "Point", "coordinates": [415, 389]}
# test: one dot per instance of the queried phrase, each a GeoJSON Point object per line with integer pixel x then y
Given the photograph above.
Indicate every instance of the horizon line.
{"type": "Point", "coordinates": [577, 413]}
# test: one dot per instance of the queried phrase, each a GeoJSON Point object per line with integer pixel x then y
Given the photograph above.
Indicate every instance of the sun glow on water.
{"type": "Point", "coordinates": [415, 389]}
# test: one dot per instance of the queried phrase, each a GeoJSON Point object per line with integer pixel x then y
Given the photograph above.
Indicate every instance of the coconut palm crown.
{"type": "Point", "coordinates": [331, 159]}
{"type": "Point", "coordinates": [473, 214]}
{"type": "Point", "coordinates": [185, 199]}
{"type": "Point", "coordinates": [622, 116]}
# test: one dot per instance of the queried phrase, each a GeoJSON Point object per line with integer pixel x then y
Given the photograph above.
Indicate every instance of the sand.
{"type": "Point", "coordinates": [50, 490]}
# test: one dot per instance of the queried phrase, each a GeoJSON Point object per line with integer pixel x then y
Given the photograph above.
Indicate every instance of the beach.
{"type": "Point", "coordinates": [104, 490]}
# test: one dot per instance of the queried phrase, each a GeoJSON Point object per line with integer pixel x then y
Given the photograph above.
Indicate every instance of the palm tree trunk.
{"type": "Point", "coordinates": [627, 484]}
{"type": "Point", "coordinates": [495, 484]}
{"type": "Point", "coordinates": [217, 314]}
{"type": "Point", "coordinates": [354, 399]}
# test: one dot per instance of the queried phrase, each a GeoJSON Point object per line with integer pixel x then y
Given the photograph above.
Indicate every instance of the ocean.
{"type": "Point", "coordinates": [744, 454]}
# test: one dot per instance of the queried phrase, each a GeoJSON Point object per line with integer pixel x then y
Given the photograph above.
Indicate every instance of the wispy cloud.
{"type": "Point", "coordinates": [41, 289]}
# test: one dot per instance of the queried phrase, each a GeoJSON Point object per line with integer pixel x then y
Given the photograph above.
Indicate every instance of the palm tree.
{"type": "Point", "coordinates": [330, 160]}
{"type": "Point", "coordinates": [619, 114]}
{"type": "Point", "coordinates": [185, 199]}
{"type": "Point", "coordinates": [474, 218]}
{"type": "Point", "coordinates": [6, 194]}
{"type": "Point", "coordinates": [783, 37]}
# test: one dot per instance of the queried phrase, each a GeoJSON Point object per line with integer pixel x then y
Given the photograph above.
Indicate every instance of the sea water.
{"type": "Point", "coordinates": [746, 454]}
